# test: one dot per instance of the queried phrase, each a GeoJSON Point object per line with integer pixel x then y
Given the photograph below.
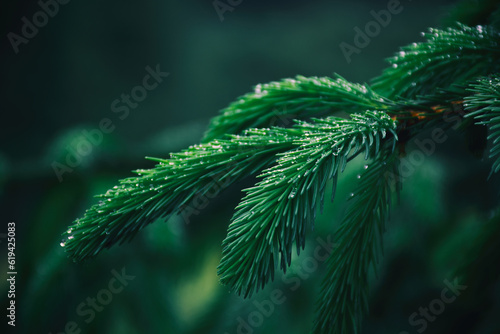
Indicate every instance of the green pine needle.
{"type": "Point", "coordinates": [484, 105]}
{"type": "Point", "coordinates": [275, 214]}
{"type": "Point", "coordinates": [344, 292]}
{"type": "Point", "coordinates": [169, 187]}
{"type": "Point", "coordinates": [300, 98]}
{"type": "Point", "coordinates": [448, 57]}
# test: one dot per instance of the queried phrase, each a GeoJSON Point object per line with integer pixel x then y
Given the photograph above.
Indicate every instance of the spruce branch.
{"type": "Point", "coordinates": [344, 292]}
{"type": "Point", "coordinates": [275, 214]}
{"type": "Point", "coordinates": [426, 82]}
{"type": "Point", "coordinates": [449, 57]}
{"type": "Point", "coordinates": [170, 186]}
{"type": "Point", "coordinates": [484, 106]}
{"type": "Point", "coordinates": [298, 98]}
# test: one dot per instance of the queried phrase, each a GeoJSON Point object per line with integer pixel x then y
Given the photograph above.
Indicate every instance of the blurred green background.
{"type": "Point", "coordinates": [64, 80]}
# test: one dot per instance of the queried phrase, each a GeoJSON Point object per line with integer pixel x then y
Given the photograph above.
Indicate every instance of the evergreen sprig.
{"type": "Point", "coordinates": [425, 82]}
{"type": "Point", "coordinates": [275, 214]}
{"type": "Point", "coordinates": [448, 58]}
{"type": "Point", "coordinates": [344, 292]}
{"type": "Point", "coordinates": [484, 106]}
{"type": "Point", "coordinates": [169, 187]}
{"type": "Point", "coordinates": [300, 98]}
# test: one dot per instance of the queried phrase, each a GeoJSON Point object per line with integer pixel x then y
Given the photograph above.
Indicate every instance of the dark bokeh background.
{"type": "Point", "coordinates": [64, 80]}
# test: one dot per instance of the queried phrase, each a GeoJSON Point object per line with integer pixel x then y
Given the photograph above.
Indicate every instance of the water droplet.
{"type": "Point", "coordinates": [63, 243]}
{"type": "Point", "coordinates": [358, 176]}
{"type": "Point", "coordinates": [395, 65]}
{"type": "Point", "coordinates": [70, 237]}
{"type": "Point", "coordinates": [366, 167]}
